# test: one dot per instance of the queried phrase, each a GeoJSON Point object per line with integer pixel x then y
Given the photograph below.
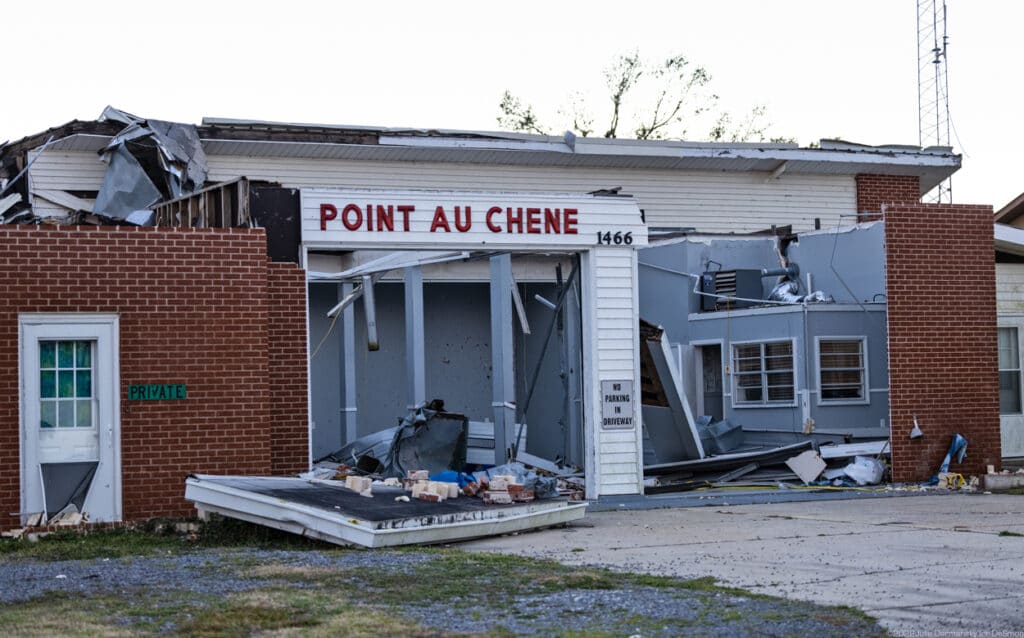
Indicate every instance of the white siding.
{"type": "Point", "coordinates": [708, 201]}
{"type": "Point", "coordinates": [1010, 289]}
{"type": "Point", "coordinates": [63, 171]}
{"type": "Point", "coordinates": [1010, 308]}
{"type": "Point", "coordinates": [617, 453]}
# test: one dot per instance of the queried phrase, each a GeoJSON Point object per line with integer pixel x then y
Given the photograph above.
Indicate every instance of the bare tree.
{"type": "Point", "coordinates": [517, 116]}
{"type": "Point", "coordinates": [667, 98]}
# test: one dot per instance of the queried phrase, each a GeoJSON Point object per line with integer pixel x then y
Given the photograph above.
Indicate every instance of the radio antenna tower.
{"type": "Point", "coordinates": [933, 86]}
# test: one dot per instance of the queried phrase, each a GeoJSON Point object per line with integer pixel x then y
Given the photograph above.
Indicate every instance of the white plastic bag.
{"type": "Point", "coordinates": [865, 470]}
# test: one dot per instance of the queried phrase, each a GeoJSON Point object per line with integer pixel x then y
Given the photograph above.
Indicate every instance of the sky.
{"type": "Point", "coordinates": [822, 68]}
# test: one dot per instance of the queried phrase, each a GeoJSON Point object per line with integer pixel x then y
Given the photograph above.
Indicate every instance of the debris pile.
{"type": "Point", "coordinates": [502, 485]}
{"type": "Point", "coordinates": [1004, 480]}
{"type": "Point", "coordinates": [39, 524]}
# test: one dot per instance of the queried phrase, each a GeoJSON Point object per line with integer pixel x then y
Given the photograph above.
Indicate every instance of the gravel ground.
{"type": "Point", "coordinates": [632, 610]}
{"type": "Point", "coordinates": [207, 572]}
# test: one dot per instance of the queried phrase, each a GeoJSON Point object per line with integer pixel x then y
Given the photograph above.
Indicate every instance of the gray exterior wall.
{"type": "Point", "coordinates": [846, 263]}
{"type": "Point", "coordinates": [769, 324]}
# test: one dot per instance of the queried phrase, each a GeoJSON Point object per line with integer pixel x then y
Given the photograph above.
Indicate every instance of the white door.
{"type": "Point", "coordinates": [70, 414]}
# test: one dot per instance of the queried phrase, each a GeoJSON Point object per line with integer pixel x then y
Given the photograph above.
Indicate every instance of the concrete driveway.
{"type": "Point", "coordinates": [927, 565]}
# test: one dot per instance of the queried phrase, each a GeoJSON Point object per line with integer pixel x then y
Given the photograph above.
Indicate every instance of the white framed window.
{"type": "Point", "coordinates": [842, 370]}
{"type": "Point", "coordinates": [1009, 371]}
{"type": "Point", "coordinates": [66, 398]}
{"type": "Point", "coordinates": [763, 374]}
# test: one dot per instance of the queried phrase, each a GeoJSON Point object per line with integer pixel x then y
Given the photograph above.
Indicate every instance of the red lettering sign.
{"type": "Point", "coordinates": [327, 213]}
{"type": "Point", "coordinates": [517, 220]}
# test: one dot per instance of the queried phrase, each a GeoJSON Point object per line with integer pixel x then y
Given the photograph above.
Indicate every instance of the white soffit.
{"type": "Point", "coordinates": [1009, 239]}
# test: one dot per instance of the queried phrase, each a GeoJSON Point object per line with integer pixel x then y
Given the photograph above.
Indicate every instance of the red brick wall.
{"type": "Point", "coordinates": [875, 190]}
{"type": "Point", "coordinates": [195, 306]}
{"type": "Point", "coordinates": [940, 275]}
{"type": "Point", "coordinates": [289, 434]}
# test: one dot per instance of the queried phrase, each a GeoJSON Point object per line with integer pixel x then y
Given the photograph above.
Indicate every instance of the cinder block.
{"type": "Point", "coordinates": [418, 475]}
{"type": "Point", "coordinates": [499, 483]}
{"type": "Point", "coordinates": [358, 483]}
{"type": "Point", "coordinates": [524, 496]}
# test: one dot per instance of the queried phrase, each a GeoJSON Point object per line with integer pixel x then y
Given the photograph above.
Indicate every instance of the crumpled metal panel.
{"type": "Point", "coordinates": [427, 439]}
{"type": "Point", "coordinates": [148, 156]}
{"type": "Point", "coordinates": [126, 188]}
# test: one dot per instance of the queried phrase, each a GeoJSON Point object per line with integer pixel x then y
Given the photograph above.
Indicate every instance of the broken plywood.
{"type": "Point", "coordinates": [807, 465]}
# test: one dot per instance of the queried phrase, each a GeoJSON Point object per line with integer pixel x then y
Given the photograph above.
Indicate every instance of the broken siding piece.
{"type": "Point", "coordinates": [9, 201]}
{"type": "Point", "coordinates": [868, 448]}
{"type": "Point", "coordinates": [64, 199]}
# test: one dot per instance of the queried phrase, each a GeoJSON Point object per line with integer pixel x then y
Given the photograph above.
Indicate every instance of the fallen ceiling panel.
{"type": "Point", "coordinates": [328, 511]}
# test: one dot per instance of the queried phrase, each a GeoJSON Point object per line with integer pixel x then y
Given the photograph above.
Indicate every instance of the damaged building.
{"type": "Point", "coordinates": [242, 297]}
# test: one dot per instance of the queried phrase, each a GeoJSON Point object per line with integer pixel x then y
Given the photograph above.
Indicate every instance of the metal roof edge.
{"type": "Point", "coordinates": [1011, 211]}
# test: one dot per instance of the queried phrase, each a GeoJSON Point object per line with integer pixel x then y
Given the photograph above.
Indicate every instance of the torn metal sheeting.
{"type": "Point", "coordinates": [726, 462]}
{"type": "Point", "coordinates": [427, 439]}
{"type": "Point", "coordinates": [393, 261]}
{"type": "Point", "coordinates": [126, 188]}
{"type": "Point", "coordinates": [147, 162]}
{"type": "Point", "coordinates": [328, 511]}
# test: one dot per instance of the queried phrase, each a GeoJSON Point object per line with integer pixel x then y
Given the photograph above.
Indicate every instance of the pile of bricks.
{"type": "Point", "coordinates": [360, 484]}
{"type": "Point", "coordinates": [503, 489]}
{"type": "Point", "coordinates": [496, 490]}
{"type": "Point", "coordinates": [418, 482]}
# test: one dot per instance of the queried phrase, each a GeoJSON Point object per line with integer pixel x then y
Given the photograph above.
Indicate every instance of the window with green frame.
{"type": "Point", "coordinates": [66, 384]}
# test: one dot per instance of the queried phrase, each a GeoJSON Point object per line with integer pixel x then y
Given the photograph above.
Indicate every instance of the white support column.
{"type": "Point", "coordinates": [414, 338]}
{"type": "Point", "coordinates": [502, 357]}
{"type": "Point", "coordinates": [349, 410]}
{"type": "Point", "coordinates": [613, 448]}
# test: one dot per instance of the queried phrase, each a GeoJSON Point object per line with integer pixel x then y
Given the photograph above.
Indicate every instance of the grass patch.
{"type": "Point", "coordinates": [154, 538]}
{"type": "Point", "coordinates": [244, 620]}
{"type": "Point", "coordinates": [86, 544]}
{"type": "Point", "coordinates": [289, 599]}
{"type": "Point", "coordinates": [60, 615]}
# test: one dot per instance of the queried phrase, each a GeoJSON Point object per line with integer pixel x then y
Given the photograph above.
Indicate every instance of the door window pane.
{"type": "Point", "coordinates": [66, 354]}
{"type": "Point", "coordinates": [65, 414]}
{"type": "Point", "coordinates": [47, 354]}
{"type": "Point", "coordinates": [48, 384]}
{"type": "Point", "coordinates": [83, 413]}
{"type": "Point", "coordinates": [83, 354]}
{"type": "Point", "coordinates": [48, 414]}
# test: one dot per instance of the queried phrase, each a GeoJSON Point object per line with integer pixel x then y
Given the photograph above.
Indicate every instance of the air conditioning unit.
{"type": "Point", "coordinates": [730, 283]}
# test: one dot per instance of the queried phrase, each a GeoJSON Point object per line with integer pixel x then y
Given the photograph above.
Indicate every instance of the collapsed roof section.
{"type": "Point", "coordinates": [149, 161]}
